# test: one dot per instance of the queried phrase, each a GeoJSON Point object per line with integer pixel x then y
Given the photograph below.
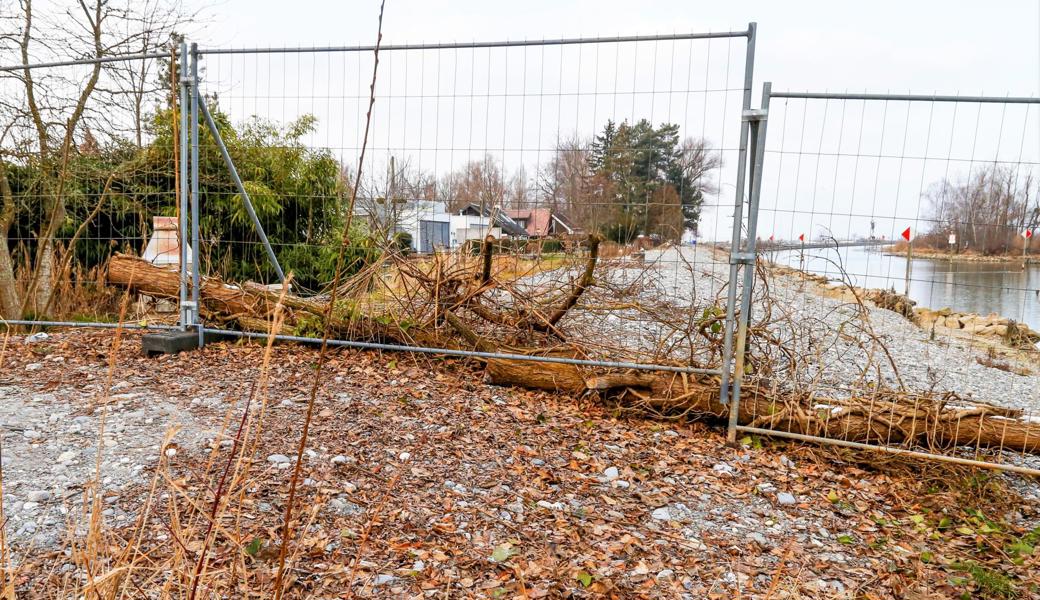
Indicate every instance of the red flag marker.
{"type": "Point", "coordinates": [1028, 233]}
{"type": "Point", "coordinates": [906, 234]}
{"type": "Point", "coordinates": [801, 238]}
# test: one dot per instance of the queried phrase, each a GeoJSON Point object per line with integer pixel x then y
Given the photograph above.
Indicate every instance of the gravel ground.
{"type": "Point", "coordinates": [444, 472]}
{"type": "Point", "coordinates": [51, 429]}
{"type": "Point", "coordinates": [641, 508]}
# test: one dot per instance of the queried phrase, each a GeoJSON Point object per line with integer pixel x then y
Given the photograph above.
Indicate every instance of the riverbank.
{"type": "Point", "coordinates": [964, 255]}
{"type": "Point", "coordinates": [1004, 344]}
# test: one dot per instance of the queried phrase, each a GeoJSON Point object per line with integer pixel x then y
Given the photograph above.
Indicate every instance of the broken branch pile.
{"type": "Point", "coordinates": [519, 305]}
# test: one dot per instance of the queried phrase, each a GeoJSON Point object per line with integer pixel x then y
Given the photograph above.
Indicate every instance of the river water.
{"type": "Point", "coordinates": [1003, 288]}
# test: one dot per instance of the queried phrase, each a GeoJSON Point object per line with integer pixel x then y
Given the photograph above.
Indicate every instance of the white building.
{"type": "Point", "coordinates": [465, 227]}
{"type": "Point", "coordinates": [427, 222]}
{"type": "Point", "coordinates": [432, 228]}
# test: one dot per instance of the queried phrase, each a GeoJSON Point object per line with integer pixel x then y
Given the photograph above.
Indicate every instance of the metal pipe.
{"type": "Point", "coordinates": [95, 325]}
{"type": "Point", "coordinates": [908, 97]}
{"type": "Point", "coordinates": [738, 217]}
{"type": "Point", "coordinates": [467, 353]}
{"type": "Point", "coordinates": [241, 188]}
{"type": "Point", "coordinates": [196, 262]}
{"type": "Point", "coordinates": [182, 224]}
{"type": "Point", "coordinates": [890, 450]}
{"type": "Point", "coordinates": [86, 61]}
{"type": "Point", "coordinates": [473, 45]}
{"type": "Point", "coordinates": [749, 268]}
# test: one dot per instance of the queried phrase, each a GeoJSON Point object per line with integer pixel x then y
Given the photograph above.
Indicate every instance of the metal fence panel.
{"type": "Point", "coordinates": [872, 203]}
{"type": "Point", "coordinates": [77, 186]}
{"type": "Point", "coordinates": [499, 138]}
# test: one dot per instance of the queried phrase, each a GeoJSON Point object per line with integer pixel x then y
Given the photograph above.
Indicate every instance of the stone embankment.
{"type": "Point", "coordinates": [991, 326]}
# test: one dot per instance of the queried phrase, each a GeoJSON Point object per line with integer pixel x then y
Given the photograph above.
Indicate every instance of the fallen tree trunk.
{"type": "Point", "coordinates": [251, 307]}
{"type": "Point", "coordinates": [888, 418]}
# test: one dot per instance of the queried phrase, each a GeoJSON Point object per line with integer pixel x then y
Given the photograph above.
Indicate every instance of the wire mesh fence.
{"type": "Point", "coordinates": [894, 237]}
{"type": "Point", "coordinates": [87, 170]}
{"type": "Point", "coordinates": [532, 161]}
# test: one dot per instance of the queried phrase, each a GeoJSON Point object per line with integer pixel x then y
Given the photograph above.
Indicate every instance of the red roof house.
{"type": "Point", "coordinates": [541, 222]}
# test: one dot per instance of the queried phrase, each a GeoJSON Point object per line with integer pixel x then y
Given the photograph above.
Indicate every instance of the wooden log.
{"type": "Point", "coordinates": [891, 421]}
{"type": "Point", "coordinates": [250, 306]}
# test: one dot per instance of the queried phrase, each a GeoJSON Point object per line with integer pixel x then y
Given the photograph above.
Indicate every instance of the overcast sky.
{"type": "Point", "coordinates": [949, 46]}
{"type": "Point", "coordinates": [922, 47]}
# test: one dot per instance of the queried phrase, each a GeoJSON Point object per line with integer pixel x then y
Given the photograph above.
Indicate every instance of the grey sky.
{"type": "Point", "coordinates": [948, 46]}
{"type": "Point", "coordinates": [921, 47]}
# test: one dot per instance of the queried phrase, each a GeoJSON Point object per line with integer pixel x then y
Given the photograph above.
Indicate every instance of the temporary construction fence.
{"type": "Point", "coordinates": [466, 140]}
{"type": "Point", "coordinates": [538, 143]}
{"type": "Point", "coordinates": [856, 186]}
{"type": "Point", "coordinates": [473, 138]}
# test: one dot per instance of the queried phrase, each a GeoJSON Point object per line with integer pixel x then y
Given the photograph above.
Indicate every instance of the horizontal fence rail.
{"type": "Point", "coordinates": [485, 44]}
{"type": "Point", "coordinates": [907, 97]}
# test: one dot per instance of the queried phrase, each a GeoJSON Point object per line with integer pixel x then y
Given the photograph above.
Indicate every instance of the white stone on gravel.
{"type": "Point", "coordinates": [342, 506]}
{"type": "Point", "coordinates": [611, 473]}
{"type": "Point", "coordinates": [278, 459]}
{"type": "Point", "coordinates": [38, 496]}
{"type": "Point", "coordinates": [786, 499]}
{"type": "Point", "coordinates": [662, 514]}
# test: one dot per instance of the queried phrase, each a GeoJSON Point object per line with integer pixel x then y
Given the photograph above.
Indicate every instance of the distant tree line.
{"type": "Point", "coordinates": [628, 180]}
{"type": "Point", "coordinates": [987, 212]}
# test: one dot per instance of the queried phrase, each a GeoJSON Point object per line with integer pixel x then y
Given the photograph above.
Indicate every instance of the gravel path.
{"type": "Point", "coordinates": [454, 470]}
{"type": "Point", "coordinates": [830, 333]}
{"type": "Point", "coordinates": [50, 436]}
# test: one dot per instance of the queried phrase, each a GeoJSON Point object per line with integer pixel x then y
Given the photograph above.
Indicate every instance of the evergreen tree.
{"type": "Point", "coordinates": [656, 182]}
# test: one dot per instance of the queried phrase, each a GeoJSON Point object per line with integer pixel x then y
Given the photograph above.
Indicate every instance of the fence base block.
{"type": "Point", "coordinates": [168, 342]}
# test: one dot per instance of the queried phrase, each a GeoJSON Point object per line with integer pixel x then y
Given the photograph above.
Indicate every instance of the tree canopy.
{"type": "Point", "coordinates": [112, 190]}
{"type": "Point", "coordinates": [653, 181]}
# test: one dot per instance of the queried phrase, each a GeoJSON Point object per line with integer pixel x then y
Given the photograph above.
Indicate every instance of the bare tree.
{"type": "Point", "coordinates": [382, 195]}
{"type": "Point", "coordinates": [519, 194]}
{"type": "Point", "coordinates": [146, 26]}
{"type": "Point", "coordinates": [986, 212]}
{"type": "Point", "coordinates": [46, 108]}
{"type": "Point", "coordinates": [563, 182]}
{"type": "Point", "coordinates": [479, 182]}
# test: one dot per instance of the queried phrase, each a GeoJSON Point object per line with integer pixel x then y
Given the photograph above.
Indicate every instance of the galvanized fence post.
{"type": "Point", "coordinates": [196, 259]}
{"type": "Point", "coordinates": [747, 257]}
{"type": "Point", "coordinates": [185, 318]}
{"type": "Point", "coordinates": [738, 219]}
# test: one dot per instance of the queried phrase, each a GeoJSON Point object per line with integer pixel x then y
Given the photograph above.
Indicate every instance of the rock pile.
{"type": "Point", "coordinates": [991, 326]}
